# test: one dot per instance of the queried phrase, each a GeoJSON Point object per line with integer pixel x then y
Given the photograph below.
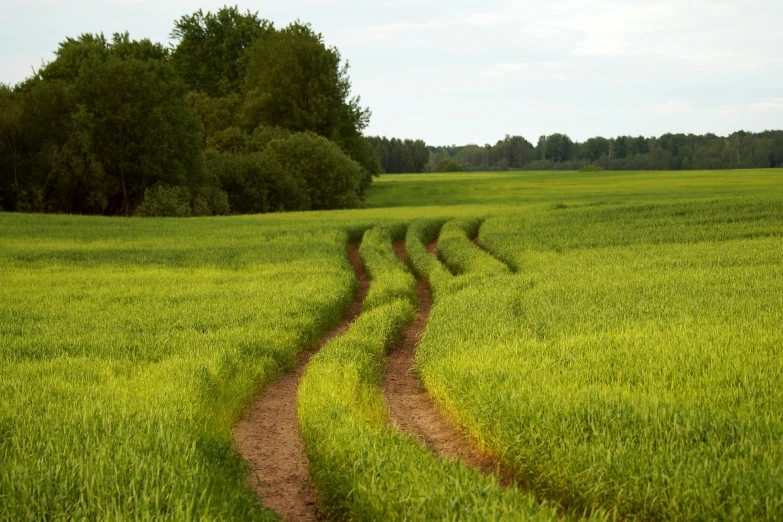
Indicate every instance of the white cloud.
{"type": "Point", "coordinates": [771, 103]}
{"type": "Point", "coordinates": [485, 19]}
{"type": "Point", "coordinates": [512, 66]}
{"type": "Point", "coordinates": [403, 27]}
{"type": "Point", "coordinates": [668, 107]}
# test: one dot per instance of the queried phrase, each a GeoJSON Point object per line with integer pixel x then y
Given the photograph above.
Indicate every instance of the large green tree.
{"type": "Point", "coordinates": [296, 82]}
{"type": "Point", "coordinates": [143, 132]}
{"type": "Point", "coordinates": [99, 125]}
{"type": "Point", "coordinates": [210, 53]}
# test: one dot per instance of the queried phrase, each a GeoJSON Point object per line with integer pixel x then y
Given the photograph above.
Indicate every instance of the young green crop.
{"type": "Point", "coordinates": [566, 188]}
{"type": "Point", "coordinates": [364, 469]}
{"type": "Point", "coordinates": [633, 363]}
{"type": "Point", "coordinates": [128, 347]}
{"type": "Point", "coordinates": [458, 253]}
{"type": "Point", "coordinates": [419, 235]}
{"type": "Point", "coordinates": [390, 278]}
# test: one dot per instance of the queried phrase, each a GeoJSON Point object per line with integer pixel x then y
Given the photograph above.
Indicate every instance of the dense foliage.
{"type": "Point", "coordinates": [109, 123]}
{"type": "Point", "coordinates": [398, 156]}
{"type": "Point", "coordinates": [558, 151]}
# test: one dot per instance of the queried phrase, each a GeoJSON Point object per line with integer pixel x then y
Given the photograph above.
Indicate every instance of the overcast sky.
{"type": "Point", "coordinates": [470, 72]}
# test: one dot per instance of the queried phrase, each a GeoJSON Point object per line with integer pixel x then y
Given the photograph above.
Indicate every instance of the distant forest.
{"type": "Point", "coordinates": [237, 117]}
{"type": "Point", "coordinates": [558, 151]}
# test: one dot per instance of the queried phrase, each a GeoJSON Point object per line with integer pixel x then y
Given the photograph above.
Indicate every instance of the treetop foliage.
{"type": "Point", "coordinates": [210, 54]}
{"type": "Point", "coordinates": [117, 126]}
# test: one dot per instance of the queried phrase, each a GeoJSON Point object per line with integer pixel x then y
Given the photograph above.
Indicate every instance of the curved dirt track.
{"type": "Point", "coordinates": [268, 436]}
{"type": "Point", "coordinates": [410, 407]}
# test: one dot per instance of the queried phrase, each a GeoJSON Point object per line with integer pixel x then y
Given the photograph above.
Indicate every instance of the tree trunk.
{"type": "Point", "coordinates": [12, 146]}
{"type": "Point", "coordinates": [125, 210]}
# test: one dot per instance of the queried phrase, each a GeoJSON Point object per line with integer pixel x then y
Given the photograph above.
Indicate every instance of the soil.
{"type": "Point", "coordinates": [411, 408]}
{"type": "Point", "coordinates": [268, 435]}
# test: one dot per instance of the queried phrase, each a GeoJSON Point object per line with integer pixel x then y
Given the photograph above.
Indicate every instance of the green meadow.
{"type": "Point", "coordinates": [614, 341]}
{"type": "Point", "coordinates": [524, 188]}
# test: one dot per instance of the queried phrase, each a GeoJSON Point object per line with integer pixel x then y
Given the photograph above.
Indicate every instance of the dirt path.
{"type": "Point", "coordinates": [268, 434]}
{"type": "Point", "coordinates": [411, 408]}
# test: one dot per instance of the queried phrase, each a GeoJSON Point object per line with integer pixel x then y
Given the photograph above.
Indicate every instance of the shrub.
{"type": "Point", "coordinates": [163, 201]}
{"type": "Point", "coordinates": [592, 168]}
{"type": "Point", "coordinates": [448, 165]}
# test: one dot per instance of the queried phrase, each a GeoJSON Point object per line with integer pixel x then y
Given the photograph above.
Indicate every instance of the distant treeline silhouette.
{"type": "Point", "coordinates": [557, 151]}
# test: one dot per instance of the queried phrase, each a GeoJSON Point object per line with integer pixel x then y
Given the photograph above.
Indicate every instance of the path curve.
{"type": "Point", "coordinates": [411, 409]}
{"type": "Point", "coordinates": [268, 435]}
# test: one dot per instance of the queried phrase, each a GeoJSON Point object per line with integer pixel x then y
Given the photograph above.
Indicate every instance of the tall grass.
{"type": "Point", "coordinates": [460, 255]}
{"type": "Point", "coordinates": [364, 469]}
{"type": "Point", "coordinates": [633, 364]}
{"type": "Point", "coordinates": [125, 361]}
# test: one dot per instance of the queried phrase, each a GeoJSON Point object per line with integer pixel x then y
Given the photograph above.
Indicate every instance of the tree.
{"type": "Point", "coordinates": [559, 147]}
{"type": "Point", "coordinates": [594, 148]}
{"type": "Point", "coordinates": [144, 133]}
{"type": "Point", "coordinates": [10, 120]}
{"type": "Point", "coordinates": [100, 124]}
{"type": "Point", "coordinates": [296, 82]}
{"type": "Point", "coordinates": [210, 54]}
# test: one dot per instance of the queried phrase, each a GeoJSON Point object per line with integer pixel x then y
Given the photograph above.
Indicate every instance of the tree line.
{"type": "Point", "coordinates": [558, 151]}
{"type": "Point", "coordinates": [237, 116]}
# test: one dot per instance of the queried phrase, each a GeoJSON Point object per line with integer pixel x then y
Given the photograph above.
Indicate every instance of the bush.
{"type": "Point", "coordinates": [300, 171]}
{"type": "Point", "coordinates": [332, 179]}
{"type": "Point", "coordinates": [592, 168]}
{"type": "Point", "coordinates": [163, 201]}
{"type": "Point", "coordinates": [211, 201]}
{"type": "Point", "coordinates": [448, 165]}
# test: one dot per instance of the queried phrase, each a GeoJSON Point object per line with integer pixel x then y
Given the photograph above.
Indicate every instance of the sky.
{"type": "Point", "coordinates": [461, 71]}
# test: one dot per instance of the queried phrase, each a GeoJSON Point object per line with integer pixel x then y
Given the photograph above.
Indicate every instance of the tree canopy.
{"type": "Point", "coordinates": [96, 126]}
{"type": "Point", "coordinates": [210, 53]}
{"type": "Point", "coordinates": [237, 116]}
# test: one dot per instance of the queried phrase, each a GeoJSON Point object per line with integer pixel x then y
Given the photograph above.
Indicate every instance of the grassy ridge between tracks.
{"type": "Point", "coordinates": [363, 469]}
{"type": "Point", "coordinates": [632, 363]}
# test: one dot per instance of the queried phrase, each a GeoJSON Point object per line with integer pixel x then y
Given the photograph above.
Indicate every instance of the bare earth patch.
{"type": "Point", "coordinates": [268, 435]}
{"type": "Point", "coordinates": [411, 409]}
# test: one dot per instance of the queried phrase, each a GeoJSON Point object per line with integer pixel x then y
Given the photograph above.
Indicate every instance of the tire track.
{"type": "Point", "coordinates": [268, 435]}
{"type": "Point", "coordinates": [411, 409]}
{"type": "Point", "coordinates": [475, 241]}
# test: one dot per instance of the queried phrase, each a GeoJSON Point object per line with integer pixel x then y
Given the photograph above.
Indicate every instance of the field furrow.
{"type": "Point", "coordinates": [411, 409]}
{"type": "Point", "coordinates": [362, 467]}
{"type": "Point", "coordinates": [458, 250]}
{"type": "Point", "coordinates": [268, 435]}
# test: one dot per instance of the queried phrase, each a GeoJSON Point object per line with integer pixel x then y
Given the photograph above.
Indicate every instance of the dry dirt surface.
{"type": "Point", "coordinates": [268, 435]}
{"type": "Point", "coordinates": [412, 410]}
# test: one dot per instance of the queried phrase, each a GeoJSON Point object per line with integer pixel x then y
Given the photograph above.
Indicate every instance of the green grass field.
{"type": "Point", "coordinates": [615, 341]}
